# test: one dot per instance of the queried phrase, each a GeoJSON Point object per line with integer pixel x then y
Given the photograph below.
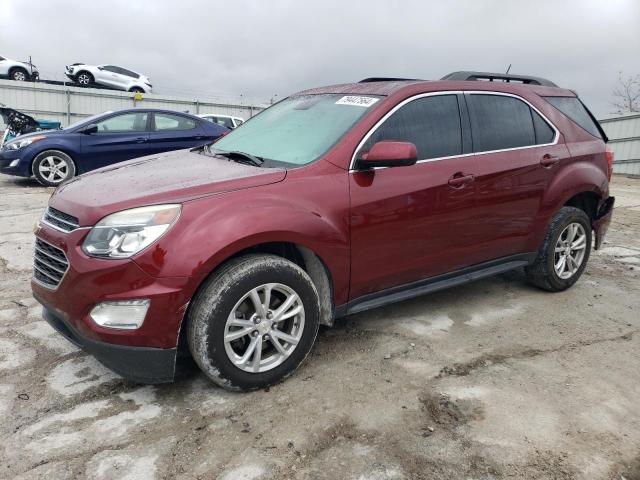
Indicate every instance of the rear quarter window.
{"type": "Point", "coordinates": [573, 108]}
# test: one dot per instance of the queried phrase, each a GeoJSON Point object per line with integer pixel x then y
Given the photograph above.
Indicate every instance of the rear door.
{"type": "Point", "coordinates": [517, 152]}
{"type": "Point", "coordinates": [119, 137]}
{"type": "Point", "coordinates": [172, 131]}
{"type": "Point", "coordinates": [409, 223]}
{"type": "Point", "coordinates": [108, 75]}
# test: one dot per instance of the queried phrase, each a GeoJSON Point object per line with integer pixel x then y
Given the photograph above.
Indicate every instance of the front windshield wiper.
{"type": "Point", "coordinates": [241, 157]}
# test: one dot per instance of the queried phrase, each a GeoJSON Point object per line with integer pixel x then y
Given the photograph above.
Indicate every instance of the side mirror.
{"type": "Point", "coordinates": [89, 129]}
{"type": "Point", "coordinates": [388, 154]}
{"type": "Point", "coordinates": [100, 68]}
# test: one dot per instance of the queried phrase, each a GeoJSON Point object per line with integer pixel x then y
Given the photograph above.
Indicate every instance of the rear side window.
{"type": "Point", "coordinates": [171, 123]}
{"type": "Point", "coordinates": [499, 122]}
{"type": "Point", "coordinates": [572, 107]}
{"type": "Point", "coordinates": [544, 132]}
{"type": "Point", "coordinates": [431, 123]}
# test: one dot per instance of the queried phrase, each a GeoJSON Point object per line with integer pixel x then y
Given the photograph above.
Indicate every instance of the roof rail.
{"type": "Point", "coordinates": [388, 79]}
{"type": "Point", "coordinates": [505, 77]}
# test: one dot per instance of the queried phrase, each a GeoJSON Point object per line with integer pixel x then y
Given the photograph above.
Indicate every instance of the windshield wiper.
{"type": "Point", "coordinates": [241, 157]}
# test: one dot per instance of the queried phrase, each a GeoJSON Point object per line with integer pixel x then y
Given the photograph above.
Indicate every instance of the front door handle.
{"type": "Point", "coordinates": [460, 180]}
{"type": "Point", "coordinates": [141, 140]}
{"type": "Point", "coordinates": [548, 160]}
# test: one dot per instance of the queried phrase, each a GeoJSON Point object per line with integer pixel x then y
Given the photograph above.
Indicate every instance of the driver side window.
{"type": "Point", "coordinates": [432, 124]}
{"type": "Point", "coordinates": [125, 123]}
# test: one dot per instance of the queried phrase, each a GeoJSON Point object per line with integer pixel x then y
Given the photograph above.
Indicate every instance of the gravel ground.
{"type": "Point", "coordinates": [491, 380]}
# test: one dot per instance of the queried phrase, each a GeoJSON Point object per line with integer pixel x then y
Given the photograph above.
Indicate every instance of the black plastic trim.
{"type": "Point", "coordinates": [505, 77]}
{"type": "Point", "coordinates": [139, 364]}
{"type": "Point", "coordinates": [433, 284]}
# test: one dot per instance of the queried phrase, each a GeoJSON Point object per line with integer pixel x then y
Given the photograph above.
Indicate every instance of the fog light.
{"type": "Point", "coordinates": [125, 314]}
{"type": "Point", "coordinates": [14, 163]}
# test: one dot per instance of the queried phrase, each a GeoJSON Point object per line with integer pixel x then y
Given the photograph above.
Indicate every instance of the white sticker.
{"type": "Point", "coordinates": [357, 100]}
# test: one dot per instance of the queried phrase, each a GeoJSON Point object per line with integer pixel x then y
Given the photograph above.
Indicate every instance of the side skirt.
{"type": "Point", "coordinates": [433, 284]}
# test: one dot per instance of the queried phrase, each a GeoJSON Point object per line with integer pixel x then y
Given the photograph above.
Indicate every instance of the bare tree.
{"type": "Point", "coordinates": [626, 94]}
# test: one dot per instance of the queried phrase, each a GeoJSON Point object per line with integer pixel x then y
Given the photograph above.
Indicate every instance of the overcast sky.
{"type": "Point", "coordinates": [260, 49]}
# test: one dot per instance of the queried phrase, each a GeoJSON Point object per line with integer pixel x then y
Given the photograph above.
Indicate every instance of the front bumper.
{"type": "Point", "coordinates": [139, 364]}
{"type": "Point", "coordinates": [21, 169]}
{"type": "Point", "coordinates": [147, 354]}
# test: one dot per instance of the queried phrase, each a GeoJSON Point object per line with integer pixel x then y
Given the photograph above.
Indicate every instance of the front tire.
{"type": "Point", "coordinates": [253, 322]}
{"type": "Point", "coordinates": [136, 90]}
{"type": "Point", "coordinates": [564, 252]}
{"type": "Point", "coordinates": [84, 78]}
{"type": "Point", "coordinates": [53, 167]}
{"type": "Point", "coordinates": [19, 75]}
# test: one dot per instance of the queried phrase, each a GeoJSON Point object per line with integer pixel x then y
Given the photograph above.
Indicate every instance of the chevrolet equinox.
{"type": "Point", "coordinates": [333, 201]}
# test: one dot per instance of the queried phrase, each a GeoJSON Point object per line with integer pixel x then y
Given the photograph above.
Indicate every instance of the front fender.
{"type": "Point", "coordinates": [213, 229]}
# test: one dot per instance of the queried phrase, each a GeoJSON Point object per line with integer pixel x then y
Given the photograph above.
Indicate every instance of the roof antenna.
{"type": "Point", "coordinates": [508, 70]}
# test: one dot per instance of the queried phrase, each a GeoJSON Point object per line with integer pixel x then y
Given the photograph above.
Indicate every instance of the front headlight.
{"type": "Point", "coordinates": [21, 143]}
{"type": "Point", "coordinates": [123, 234]}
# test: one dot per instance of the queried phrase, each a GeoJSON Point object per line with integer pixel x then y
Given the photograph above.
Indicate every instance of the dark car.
{"type": "Point", "coordinates": [56, 156]}
{"type": "Point", "coordinates": [333, 201]}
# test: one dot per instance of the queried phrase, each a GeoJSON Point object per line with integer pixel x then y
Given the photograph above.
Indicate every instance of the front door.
{"type": "Point", "coordinates": [409, 223]}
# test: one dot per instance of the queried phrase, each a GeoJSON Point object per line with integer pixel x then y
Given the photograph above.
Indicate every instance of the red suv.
{"type": "Point", "coordinates": [333, 201]}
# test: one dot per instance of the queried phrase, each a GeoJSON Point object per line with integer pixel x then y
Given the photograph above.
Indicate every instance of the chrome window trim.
{"type": "Point", "coordinates": [455, 92]}
{"type": "Point", "coordinates": [42, 284]}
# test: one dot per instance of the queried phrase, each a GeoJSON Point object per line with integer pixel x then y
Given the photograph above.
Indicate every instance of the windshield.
{"type": "Point", "coordinates": [86, 120]}
{"type": "Point", "coordinates": [297, 130]}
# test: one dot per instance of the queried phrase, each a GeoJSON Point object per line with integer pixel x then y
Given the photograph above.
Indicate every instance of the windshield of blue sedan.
{"type": "Point", "coordinates": [297, 130]}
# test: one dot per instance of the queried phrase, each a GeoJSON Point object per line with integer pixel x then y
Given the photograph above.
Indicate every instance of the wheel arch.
{"type": "Point", "coordinates": [298, 254]}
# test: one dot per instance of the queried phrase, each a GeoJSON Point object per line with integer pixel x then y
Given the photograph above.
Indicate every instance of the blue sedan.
{"type": "Point", "coordinates": [57, 155]}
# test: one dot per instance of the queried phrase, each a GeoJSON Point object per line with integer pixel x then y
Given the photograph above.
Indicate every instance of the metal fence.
{"type": "Point", "coordinates": [68, 104]}
{"type": "Point", "coordinates": [624, 140]}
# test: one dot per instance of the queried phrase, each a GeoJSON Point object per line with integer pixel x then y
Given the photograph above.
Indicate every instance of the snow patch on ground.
{"type": "Point", "coordinates": [491, 315]}
{"type": "Point", "coordinates": [114, 464]}
{"type": "Point", "coordinates": [82, 411]}
{"type": "Point", "coordinates": [7, 393]}
{"type": "Point", "coordinates": [10, 314]}
{"type": "Point", "coordinates": [13, 355]}
{"type": "Point", "coordinates": [436, 326]}
{"type": "Point", "coordinates": [619, 252]}
{"type": "Point", "coordinates": [77, 375]}
{"type": "Point", "coordinates": [43, 332]}
{"type": "Point", "coordinates": [244, 472]}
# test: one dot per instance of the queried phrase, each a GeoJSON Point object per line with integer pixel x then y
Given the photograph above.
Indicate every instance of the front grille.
{"type": "Point", "coordinates": [60, 220]}
{"type": "Point", "coordinates": [49, 265]}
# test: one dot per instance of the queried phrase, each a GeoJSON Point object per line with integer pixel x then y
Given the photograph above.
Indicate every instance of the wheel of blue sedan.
{"type": "Point", "coordinates": [253, 322]}
{"type": "Point", "coordinates": [53, 167]}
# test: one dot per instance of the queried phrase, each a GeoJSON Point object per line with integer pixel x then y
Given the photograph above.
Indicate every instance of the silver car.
{"type": "Point", "coordinates": [228, 121]}
{"type": "Point", "coordinates": [15, 70]}
{"type": "Point", "coordinates": [110, 76]}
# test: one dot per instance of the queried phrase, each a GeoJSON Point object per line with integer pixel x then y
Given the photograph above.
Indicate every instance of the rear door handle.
{"type": "Point", "coordinates": [460, 180]}
{"type": "Point", "coordinates": [548, 160]}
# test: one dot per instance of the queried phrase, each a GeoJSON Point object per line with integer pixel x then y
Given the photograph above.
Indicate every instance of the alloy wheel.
{"type": "Point", "coordinates": [83, 79]}
{"type": "Point", "coordinates": [264, 327]}
{"type": "Point", "coordinates": [54, 169]}
{"type": "Point", "coordinates": [19, 76]}
{"type": "Point", "coordinates": [570, 249]}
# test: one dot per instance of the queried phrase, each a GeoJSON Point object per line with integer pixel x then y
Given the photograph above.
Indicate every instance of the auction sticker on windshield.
{"type": "Point", "coordinates": [357, 100]}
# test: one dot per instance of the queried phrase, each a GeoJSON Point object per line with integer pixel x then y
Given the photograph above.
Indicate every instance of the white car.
{"type": "Point", "coordinates": [21, 71]}
{"type": "Point", "coordinates": [224, 120]}
{"type": "Point", "coordinates": [109, 76]}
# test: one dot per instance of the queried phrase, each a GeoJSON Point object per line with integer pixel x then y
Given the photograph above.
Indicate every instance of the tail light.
{"type": "Point", "coordinates": [609, 153]}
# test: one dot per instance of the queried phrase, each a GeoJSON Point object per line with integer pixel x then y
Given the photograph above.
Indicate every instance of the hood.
{"type": "Point", "coordinates": [172, 177]}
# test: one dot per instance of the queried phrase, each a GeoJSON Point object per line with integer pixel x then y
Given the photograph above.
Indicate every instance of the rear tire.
{"type": "Point", "coordinates": [53, 167]}
{"type": "Point", "coordinates": [564, 252]}
{"type": "Point", "coordinates": [253, 322]}
{"type": "Point", "coordinates": [136, 90]}
{"type": "Point", "coordinates": [84, 78]}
